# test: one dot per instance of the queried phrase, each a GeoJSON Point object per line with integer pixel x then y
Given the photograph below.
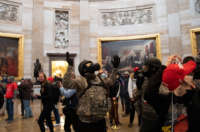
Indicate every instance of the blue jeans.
{"type": "Point", "coordinates": [27, 108]}
{"type": "Point", "coordinates": [9, 108]}
{"type": "Point", "coordinates": [56, 113]}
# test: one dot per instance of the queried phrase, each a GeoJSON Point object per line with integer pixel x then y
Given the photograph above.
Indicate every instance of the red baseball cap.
{"type": "Point", "coordinates": [135, 69]}
{"type": "Point", "coordinates": [174, 73]}
{"type": "Point", "coordinates": [50, 79]}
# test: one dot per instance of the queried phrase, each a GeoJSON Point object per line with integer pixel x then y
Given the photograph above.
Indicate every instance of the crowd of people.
{"type": "Point", "coordinates": [165, 97]}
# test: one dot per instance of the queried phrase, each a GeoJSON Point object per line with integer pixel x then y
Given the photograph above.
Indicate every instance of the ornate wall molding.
{"type": "Point", "coordinates": [9, 12]}
{"type": "Point", "coordinates": [61, 29]}
{"type": "Point", "coordinates": [127, 16]}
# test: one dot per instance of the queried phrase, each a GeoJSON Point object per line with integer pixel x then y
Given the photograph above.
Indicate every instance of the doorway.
{"type": "Point", "coordinates": [58, 68]}
{"type": "Point", "coordinates": [57, 63]}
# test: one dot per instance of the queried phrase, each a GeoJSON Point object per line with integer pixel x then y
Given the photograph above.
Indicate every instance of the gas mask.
{"type": "Point", "coordinates": [88, 68]}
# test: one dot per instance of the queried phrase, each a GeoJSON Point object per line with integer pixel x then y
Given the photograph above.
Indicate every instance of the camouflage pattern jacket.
{"type": "Point", "coordinates": [80, 84]}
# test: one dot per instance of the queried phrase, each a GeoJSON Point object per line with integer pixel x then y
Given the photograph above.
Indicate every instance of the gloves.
{"type": "Point", "coordinates": [68, 59]}
{"type": "Point", "coordinates": [115, 61]}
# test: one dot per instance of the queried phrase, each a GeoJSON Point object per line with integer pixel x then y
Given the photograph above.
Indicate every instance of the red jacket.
{"type": "Point", "coordinates": [10, 88]}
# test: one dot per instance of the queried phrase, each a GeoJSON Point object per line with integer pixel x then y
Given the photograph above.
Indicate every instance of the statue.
{"type": "Point", "coordinates": [37, 68]}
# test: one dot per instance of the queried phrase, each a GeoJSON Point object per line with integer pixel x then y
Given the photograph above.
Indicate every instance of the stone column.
{"type": "Point", "coordinates": [174, 30]}
{"type": "Point", "coordinates": [84, 30]}
{"type": "Point", "coordinates": [37, 32]}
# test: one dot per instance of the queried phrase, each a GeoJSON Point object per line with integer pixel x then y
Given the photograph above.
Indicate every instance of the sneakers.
{"type": "Point", "coordinates": [57, 124]}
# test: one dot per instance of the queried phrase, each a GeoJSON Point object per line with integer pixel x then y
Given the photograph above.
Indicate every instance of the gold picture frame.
{"type": "Point", "coordinates": [194, 40]}
{"type": "Point", "coordinates": [20, 48]}
{"type": "Point", "coordinates": [155, 37]}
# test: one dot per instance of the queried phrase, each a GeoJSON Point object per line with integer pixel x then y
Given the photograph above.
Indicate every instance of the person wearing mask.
{"type": "Point", "coordinates": [131, 90]}
{"type": "Point", "coordinates": [125, 78]}
{"type": "Point", "coordinates": [114, 95]}
{"type": "Point", "coordinates": [149, 117]}
{"type": "Point", "coordinates": [10, 89]}
{"type": "Point", "coordinates": [47, 102]}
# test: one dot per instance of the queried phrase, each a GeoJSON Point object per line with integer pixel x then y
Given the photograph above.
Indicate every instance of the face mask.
{"type": "Point", "coordinates": [103, 75]}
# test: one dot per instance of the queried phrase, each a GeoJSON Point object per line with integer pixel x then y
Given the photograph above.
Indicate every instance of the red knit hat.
{"type": "Point", "coordinates": [173, 74]}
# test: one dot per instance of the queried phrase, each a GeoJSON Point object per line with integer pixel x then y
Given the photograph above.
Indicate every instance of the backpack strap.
{"type": "Point", "coordinates": [104, 86]}
{"type": "Point", "coordinates": [102, 82]}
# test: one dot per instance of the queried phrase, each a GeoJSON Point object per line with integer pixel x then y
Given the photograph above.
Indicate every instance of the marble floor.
{"type": "Point", "coordinates": [30, 125]}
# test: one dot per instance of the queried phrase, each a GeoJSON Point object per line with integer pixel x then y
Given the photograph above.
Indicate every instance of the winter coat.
{"type": "Point", "coordinates": [25, 90]}
{"type": "Point", "coordinates": [47, 94]}
{"type": "Point", "coordinates": [80, 84]}
{"type": "Point", "coordinates": [10, 88]}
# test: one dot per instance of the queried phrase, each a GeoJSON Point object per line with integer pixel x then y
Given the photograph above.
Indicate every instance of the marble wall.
{"type": "Point", "coordinates": [57, 26]}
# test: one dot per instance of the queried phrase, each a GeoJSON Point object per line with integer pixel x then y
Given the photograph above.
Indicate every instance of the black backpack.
{"type": "Point", "coordinates": [70, 103]}
{"type": "Point", "coordinates": [56, 92]}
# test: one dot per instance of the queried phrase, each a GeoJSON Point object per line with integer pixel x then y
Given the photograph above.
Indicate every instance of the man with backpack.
{"type": "Point", "coordinates": [92, 93]}
{"type": "Point", "coordinates": [56, 98]}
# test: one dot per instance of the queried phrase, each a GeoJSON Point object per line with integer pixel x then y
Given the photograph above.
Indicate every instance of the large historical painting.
{"type": "Point", "coordinates": [11, 55]}
{"type": "Point", "coordinates": [195, 41]}
{"type": "Point", "coordinates": [198, 42]}
{"type": "Point", "coordinates": [133, 51]}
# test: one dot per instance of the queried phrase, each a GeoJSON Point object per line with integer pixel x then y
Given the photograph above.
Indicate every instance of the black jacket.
{"type": "Point", "coordinates": [115, 88]}
{"type": "Point", "coordinates": [25, 90]}
{"type": "Point", "coordinates": [47, 94]}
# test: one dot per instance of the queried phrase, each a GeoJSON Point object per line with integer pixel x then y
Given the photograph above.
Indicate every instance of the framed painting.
{"type": "Point", "coordinates": [11, 55]}
{"type": "Point", "coordinates": [195, 41]}
{"type": "Point", "coordinates": [132, 50]}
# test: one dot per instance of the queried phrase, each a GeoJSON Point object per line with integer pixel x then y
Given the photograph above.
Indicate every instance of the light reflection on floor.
{"type": "Point", "coordinates": [30, 125]}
